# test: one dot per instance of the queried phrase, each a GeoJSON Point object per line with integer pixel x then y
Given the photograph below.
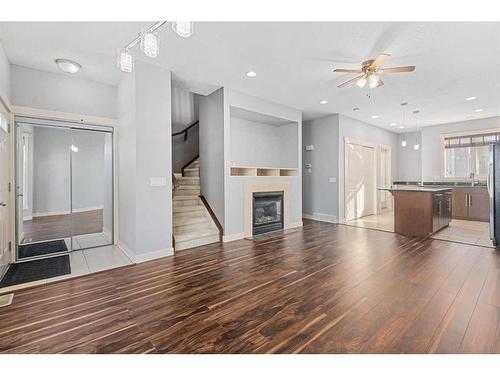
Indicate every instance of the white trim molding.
{"type": "Point", "coordinates": [321, 217]}
{"type": "Point", "coordinates": [144, 257]}
{"type": "Point", "coordinates": [63, 116]}
{"type": "Point", "coordinates": [233, 237]}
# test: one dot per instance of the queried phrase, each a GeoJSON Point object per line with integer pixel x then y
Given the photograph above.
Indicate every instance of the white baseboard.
{"type": "Point", "coordinates": [297, 224]}
{"type": "Point", "coordinates": [66, 212]}
{"type": "Point", "coordinates": [28, 218]}
{"type": "Point", "coordinates": [321, 217]}
{"type": "Point", "coordinates": [139, 258]}
{"type": "Point", "coordinates": [233, 237]}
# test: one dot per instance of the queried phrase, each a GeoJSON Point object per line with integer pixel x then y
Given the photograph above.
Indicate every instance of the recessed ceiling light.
{"type": "Point", "coordinates": [393, 124]}
{"type": "Point", "coordinates": [375, 116]}
{"type": "Point", "coordinates": [323, 101]}
{"type": "Point", "coordinates": [478, 110]}
{"type": "Point", "coordinates": [471, 98]}
{"type": "Point", "coordinates": [68, 66]}
{"type": "Point", "coordinates": [251, 73]}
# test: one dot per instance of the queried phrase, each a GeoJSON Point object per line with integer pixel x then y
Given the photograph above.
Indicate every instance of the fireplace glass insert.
{"type": "Point", "coordinates": [267, 212]}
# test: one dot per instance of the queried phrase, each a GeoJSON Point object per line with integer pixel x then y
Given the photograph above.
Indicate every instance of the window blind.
{"type": "Point", "coordinates": [472, 140]}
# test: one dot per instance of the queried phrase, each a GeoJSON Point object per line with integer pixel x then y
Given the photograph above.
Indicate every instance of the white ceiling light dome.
{"type": "Point", "coordinates": [68, 66]}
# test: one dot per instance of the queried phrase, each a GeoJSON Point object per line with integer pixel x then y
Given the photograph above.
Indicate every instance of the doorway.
{"type": "Point", "coordinates": [64, 187]}
{"type": "Point", "coordinates": [360, 180]}
{"type": "Point", "coordinates": [385, 179]}
{"type": "Point", "coordinates": [5, 257]}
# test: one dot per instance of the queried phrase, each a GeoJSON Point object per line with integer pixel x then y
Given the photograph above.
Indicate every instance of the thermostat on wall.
{"type": "Point", "coordinates": [309, 147]}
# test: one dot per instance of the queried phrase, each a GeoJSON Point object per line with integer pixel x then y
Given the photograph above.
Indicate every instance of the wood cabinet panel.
{"type": "Point", "coordinates": [479, 204]}
{"type": "Point", "coordinates": [471, 203]}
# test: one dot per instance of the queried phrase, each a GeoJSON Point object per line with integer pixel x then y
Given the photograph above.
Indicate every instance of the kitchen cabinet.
{"type": "Point", "coordinates": [471, 203]}
{"type": "Point", "coordinates": [421, 211]}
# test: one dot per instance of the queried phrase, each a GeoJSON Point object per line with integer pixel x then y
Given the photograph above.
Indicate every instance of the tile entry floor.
{"type": "Point", "coordinates": [84, 262]}
{"type": "Point", "coordinates": [383, 221]}
{"type": "Point", "coordinates": [468, 232]}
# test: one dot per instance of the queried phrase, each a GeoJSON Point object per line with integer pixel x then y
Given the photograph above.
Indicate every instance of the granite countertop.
{"type": "Point", "coordinates": [424, 189]}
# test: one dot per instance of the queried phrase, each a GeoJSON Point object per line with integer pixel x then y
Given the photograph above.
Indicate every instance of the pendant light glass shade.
{"type": "Point", "coordinates": [183, 28]}
{"type": "Point", "coordinates": [416, 147]}
{"type": "Point", "coordinates": [361, 82]}
{"type": "Point", "coordinates": [150, 44]}
{"type": "Point", "coordinates": [125, 60]}
{"type": "Point", "coordinates": [373, 81]}
{"type": "Point", "coordinates": [403, 143]}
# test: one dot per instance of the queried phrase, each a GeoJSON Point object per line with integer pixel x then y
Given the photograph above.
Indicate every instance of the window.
{"type": "Point", "coordinates": [466, 154]}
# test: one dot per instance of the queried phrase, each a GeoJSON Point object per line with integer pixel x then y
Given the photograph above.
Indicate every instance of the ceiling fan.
{"type": "Point", "coordinates": [371, 70]}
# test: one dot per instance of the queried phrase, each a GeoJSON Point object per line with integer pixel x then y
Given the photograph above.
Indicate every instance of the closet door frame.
{"type": "Point", "coordinates": [70, 121]}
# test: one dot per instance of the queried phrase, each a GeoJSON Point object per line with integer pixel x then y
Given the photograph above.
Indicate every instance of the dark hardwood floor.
{"type": "Point", "coordinates": [319, 289]}
{"type": "Point", "coordinates": [46, 228]}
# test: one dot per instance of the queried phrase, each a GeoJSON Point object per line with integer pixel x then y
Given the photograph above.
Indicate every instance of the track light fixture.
{"type": "Point", "coordinates": [150, 43]}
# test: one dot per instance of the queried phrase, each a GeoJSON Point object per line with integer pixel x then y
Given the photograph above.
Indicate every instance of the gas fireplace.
{"type": "Point", "coordinates": [267, 212]}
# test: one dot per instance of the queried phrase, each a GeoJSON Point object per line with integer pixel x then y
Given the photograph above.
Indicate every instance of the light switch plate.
{"type": "Point", "coordinates": [309, 147]}
{"type": "Point", "coordinates": [157, 181]}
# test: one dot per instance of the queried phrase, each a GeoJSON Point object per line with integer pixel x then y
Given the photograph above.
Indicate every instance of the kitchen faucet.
{"type": "Point", "coordinates": [472, 178]}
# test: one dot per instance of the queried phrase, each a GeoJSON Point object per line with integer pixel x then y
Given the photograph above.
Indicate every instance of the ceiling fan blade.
{"type": "Point", "coordinates": [348, 71]}
{"type": "Point", "coordinates": [398, 69]}
{"type": "Point", "coordinates": [379, 61]}
{"type": "Point", "coordinates": [350, 81]}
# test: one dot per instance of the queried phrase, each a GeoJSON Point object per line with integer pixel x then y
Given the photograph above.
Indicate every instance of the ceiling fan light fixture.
{"type": "Point", "coordinates": [361, 82]}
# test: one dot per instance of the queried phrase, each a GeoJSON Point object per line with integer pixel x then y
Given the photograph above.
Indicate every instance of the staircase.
{"type": "Point", "coordinates": [193, 225]}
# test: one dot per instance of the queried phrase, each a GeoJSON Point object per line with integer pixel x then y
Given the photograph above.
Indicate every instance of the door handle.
{"type": "Point", "coordinates": [3, 204]}
{"type": "Point", "coordinates": [470, 200]}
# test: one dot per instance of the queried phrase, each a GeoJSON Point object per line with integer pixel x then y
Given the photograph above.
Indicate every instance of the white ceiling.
{"type": "Point", "coordinates": [294, 63]}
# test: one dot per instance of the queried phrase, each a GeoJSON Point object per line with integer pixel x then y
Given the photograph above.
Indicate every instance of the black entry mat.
{"type": "Point", "coordinates": [34, 270]}
{"type": "Point", "coordinates": [41, 248]}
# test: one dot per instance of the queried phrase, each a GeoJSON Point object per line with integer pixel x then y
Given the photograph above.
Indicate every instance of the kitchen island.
{"type": "Point", "coordinates": [421, 211]}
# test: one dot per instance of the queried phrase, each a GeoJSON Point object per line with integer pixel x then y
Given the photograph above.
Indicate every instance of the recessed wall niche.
{"type": "Point", "coordinates": [262, 145]}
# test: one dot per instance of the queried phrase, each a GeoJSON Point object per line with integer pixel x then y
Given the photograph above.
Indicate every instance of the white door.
{"type": "Point", "coordinates": [359, 181]}
{"type": "Point", "coordinates": [4, 194]}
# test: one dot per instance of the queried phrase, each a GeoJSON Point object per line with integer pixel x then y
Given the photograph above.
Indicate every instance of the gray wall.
{"type": "Point", "coordinates": [409, 159]}
{"type": "Point", "coordinates": [262, 145]}
{"type": "Point", "coordinates": [4, 73]}
{"type": "Point", "coordinates": [154, 159]}
{"type": "Point", "coordinates": [185, 110]}
{"type": "Point", "coordinates": [320, 196]}
{"type": "Point", "coordinates": [59, 92]}
{"type": "Point", "coordinates": [144, 116]}
{"type": "Point", "coordinates": [126, 133]}
{"type": "Point", "coordinates": [212, 151]}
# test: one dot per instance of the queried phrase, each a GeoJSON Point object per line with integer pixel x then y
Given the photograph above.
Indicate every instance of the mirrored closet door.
{"type": "Point", "coordinates": [64, 182]}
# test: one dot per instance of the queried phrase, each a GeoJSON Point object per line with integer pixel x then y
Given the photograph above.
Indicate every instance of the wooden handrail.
{"type": "Point", "coordinates": [188, 163]}
{"type": "Point", "coordinates": [193, 124]}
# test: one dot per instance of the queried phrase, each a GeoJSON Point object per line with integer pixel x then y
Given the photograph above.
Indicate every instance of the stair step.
{"type": "Point", "coordinates": [195, 228]}
{"type": "Point", "coordinates": [189, 201]}
{"type": "Point", "coordinates": [180, 221]}
{"type": "Point", "coordinates": [189, 208]}
{"type": "Point", "coordinates": [191, 235]}
{"type": "Point", "coordinates": [195, 212]}
{"type": "Point", "coordinates": [188, 244]}
{"type": "Point", "coordinates": [191, 172]}
{"type": "Point", "coordinates": [187, 192]}
{"type": "Point", "coordinates": [189, 181]}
